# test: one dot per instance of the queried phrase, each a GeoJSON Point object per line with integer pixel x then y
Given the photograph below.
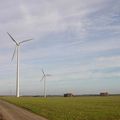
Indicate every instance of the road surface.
{"type": "Point", "coordinates": [11, 112]}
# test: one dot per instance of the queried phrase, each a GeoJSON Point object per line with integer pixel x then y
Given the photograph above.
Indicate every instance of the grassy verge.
{"type": "Point", "coordinates": [76, 108]}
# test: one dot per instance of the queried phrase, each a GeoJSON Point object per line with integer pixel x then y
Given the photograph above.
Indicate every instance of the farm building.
{"type": "Point", "coordinates": [68, 95]}
{"type": "Point", "coordinates": [104, 94]}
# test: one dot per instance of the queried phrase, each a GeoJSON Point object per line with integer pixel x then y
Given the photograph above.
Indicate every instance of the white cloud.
{"type": "Point", "coordinates": [112, 61]}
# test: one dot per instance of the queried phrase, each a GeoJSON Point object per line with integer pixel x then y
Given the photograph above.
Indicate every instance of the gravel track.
{"type": "Point", "coordinates": [11, 112]}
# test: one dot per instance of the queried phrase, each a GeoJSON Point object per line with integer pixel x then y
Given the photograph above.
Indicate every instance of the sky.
{"type": "Point", "coordinates": [76, 41]}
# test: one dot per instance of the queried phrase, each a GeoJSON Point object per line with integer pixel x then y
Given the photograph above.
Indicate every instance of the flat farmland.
{"type": "Point", "coordinates": [74, 108]}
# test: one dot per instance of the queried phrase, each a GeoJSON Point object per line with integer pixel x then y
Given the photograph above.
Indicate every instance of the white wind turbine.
{"type": "Point", "coordinates": [44, 78]}
{"type": "Point", "coordinates": [18, 71]}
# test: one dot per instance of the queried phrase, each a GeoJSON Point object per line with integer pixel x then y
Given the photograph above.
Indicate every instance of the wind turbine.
{"type": "Point", "coordinates": [44, 78]}
{"type": "Point", "coordinates": [16, 50]}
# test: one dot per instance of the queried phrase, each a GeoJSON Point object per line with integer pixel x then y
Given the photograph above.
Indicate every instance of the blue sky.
{"type": "Point", "coordinates": [76, 41]}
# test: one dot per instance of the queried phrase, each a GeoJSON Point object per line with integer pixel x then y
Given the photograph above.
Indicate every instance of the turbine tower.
{"type": "Point", "coordinates": [16, 50]}
{"type": "Point", "coordinates": [44, 78]}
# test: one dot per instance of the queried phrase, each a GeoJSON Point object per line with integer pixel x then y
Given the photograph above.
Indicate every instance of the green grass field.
{"type": "Point", "coordinates": [76, 108]}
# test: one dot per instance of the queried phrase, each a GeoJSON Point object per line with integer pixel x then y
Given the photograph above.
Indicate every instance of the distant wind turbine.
{"type": "Point", "coordinates": [16, 50]}
{"type": "Point", "coordinates": [44, 78]}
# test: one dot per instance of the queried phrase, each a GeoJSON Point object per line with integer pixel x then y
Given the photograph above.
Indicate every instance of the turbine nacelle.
{"type": "Point", "coordinates": [45, 75]}
{"type": "Point", "coordinates": [17, 44]}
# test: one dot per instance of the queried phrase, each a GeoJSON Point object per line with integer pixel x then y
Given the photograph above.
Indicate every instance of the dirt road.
{"type": "Point", "coordinates": [12, 112]}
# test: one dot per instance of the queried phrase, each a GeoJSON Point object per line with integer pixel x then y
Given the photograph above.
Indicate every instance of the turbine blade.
{"type": "Point", "coordinates": [25, 41]}
{"type": "Point", "coordinates": [48, 75]}
{"type": "Point", "coordinates": [42, 78]}
{"type": "Point", "coordinates": [12, 38]}
{"type": "Point", "coordinates": [13, 54]}
{"type": "Point", "coordinates": [43, 72]}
